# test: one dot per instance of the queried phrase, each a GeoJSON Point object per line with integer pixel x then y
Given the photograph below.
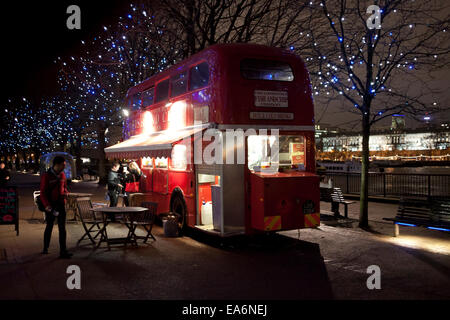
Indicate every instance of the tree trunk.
{"type": "Point", "coordinates": [24, 156]}
{"type": "Point", "coordinates": [364, 193]}
{"type": "Point", "coordinates": [101, 152]}
{"type": "Point", "coordinates": [37, 159]}
{"type": "Point", "coordinates": [77, 154]}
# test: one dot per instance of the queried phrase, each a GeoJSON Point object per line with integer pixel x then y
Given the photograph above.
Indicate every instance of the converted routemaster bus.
{"type": "Point", "coordinates": [262, 91]}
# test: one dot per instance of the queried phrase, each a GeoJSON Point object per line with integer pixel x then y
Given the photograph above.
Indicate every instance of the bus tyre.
{"type": "Point", "coordinates": [178, 205]}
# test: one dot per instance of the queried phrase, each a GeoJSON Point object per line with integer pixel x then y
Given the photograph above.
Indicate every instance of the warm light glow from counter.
{"type": "Point", "coordinates": [179, 159]}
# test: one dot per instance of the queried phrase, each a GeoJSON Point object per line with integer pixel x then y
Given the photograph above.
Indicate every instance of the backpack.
{"type": "Point", "coordinates": [39, 203]}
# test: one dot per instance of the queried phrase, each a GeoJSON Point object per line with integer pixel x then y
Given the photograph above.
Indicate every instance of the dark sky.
{"type": "Point", "coordinates": [35, 33]}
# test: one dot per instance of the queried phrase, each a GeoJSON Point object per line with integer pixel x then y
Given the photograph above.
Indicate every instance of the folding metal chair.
{"type": "Point", "coordinates": [88, 219]}
{"type": "Point", "coordinates": [35, 195]}
{"type": "Point", "coordinates": [145, 219]}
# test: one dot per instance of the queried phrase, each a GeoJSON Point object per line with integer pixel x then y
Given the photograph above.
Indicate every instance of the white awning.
{"type": "Point", "coordinates": [158, 144]}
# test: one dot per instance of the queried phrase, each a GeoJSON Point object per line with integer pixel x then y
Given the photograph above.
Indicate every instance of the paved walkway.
{"type": "Point", "coordinates": [325, 263]}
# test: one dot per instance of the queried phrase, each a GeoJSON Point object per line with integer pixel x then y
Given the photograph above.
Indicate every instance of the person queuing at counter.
{"type": "Point", "coordinates": [131, 179]}
{"type": "Point", "coordinates": [114, 185]}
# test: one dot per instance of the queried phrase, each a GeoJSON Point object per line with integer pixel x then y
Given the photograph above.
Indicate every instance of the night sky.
{"type": "Point", "coordinates": [35, 33]}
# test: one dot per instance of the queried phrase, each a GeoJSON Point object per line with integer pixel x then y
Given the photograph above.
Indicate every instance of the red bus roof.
{"type": "Point", "coordinates": [241, 49]}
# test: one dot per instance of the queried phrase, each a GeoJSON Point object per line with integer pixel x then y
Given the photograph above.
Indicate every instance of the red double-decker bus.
{"type": "Point", "coordinates": [262, 91]}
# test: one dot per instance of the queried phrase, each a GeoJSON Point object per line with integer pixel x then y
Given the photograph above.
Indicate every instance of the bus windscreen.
{"type": "Point", "coordinates": [258, 69]}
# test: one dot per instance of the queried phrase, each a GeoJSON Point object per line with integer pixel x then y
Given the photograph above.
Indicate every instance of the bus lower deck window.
{"type": "Point", "coordinates": [161, 163]}
{"type": "Point", "coordinates": [258, 69]}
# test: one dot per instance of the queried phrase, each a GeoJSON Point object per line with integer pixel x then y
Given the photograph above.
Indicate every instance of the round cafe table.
{"type": "Point", "coordinates": [127, 214]}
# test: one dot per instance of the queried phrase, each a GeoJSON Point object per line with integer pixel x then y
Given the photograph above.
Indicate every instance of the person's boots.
{"type": "Point", "coordinates": [65, 255]}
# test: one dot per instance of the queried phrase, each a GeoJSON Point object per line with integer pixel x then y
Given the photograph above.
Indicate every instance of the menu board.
{"type": "Point", "coordinates": [297, 152]}
{"type": "Point", "coordinates": [9, 207]}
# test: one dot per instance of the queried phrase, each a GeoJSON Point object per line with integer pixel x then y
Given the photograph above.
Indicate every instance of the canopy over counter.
{"type": "Point", "coordinates": [158, 144]}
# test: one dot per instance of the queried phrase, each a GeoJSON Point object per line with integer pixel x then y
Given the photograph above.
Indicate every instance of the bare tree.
{"type": "Point", "coordinates": [138, 46]}
{"type": "Point", "coordinates": [207, 22]}
{"type": "Point", "coordinates": [375, 73]}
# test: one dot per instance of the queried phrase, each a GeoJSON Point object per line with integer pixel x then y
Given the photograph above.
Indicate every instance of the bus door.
{"type": "Point", "coordinates": [221, 198]}
{"type": "Point", "coordinates": [209, 199]}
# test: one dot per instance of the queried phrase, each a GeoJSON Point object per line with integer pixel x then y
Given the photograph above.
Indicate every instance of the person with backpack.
{"type": "Point", "coordinates": [53, 197]}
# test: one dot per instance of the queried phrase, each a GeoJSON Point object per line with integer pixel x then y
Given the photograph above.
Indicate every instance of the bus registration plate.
{"type": "Point", "coordinates": [272, 99]}
{"type": "Point", "coordinates": [271, 116]}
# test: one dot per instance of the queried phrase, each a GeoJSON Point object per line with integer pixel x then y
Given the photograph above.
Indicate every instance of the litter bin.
{"type": "Point", "coordinates": [170, 226]}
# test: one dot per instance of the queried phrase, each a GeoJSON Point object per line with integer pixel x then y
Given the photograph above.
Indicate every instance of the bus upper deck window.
{"type": "Point", "coordinates": [162, 91]}
{"type": "Point", "coordinates": [179, 84]}
{"type": "Point", "coordinates": [199, 76]}
{"type": "Point", "coordinates": [147, 97]}
{"type": "Point", "coordinates": [136, 101]}
{"type": "Point", "coordinates": [257, 69]}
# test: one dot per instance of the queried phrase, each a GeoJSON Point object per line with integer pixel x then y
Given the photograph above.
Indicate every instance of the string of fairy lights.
{"type": "Point", "coordinates": [94, 82]}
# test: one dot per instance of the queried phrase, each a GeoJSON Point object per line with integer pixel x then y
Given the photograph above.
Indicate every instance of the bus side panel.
{"type": "Point", "coordinates": [147, 182]}
{"type": "Point", "coordinates": [163, 201]}
{"type": "Point", "coordinates": [280, 203]}
{"type": "Point", "coordinates": [160, 183]}
{"type": "Point", "coordinates": [184, 180]}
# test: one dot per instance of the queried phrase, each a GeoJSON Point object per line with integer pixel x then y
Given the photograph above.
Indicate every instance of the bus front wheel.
{"type": "Point", "coordinates": [178, 205]}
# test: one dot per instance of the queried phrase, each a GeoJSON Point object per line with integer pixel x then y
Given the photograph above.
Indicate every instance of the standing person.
{"type": "Point", "coordinates": [17, 163]}
{"type": "Point", "coordinates": [53, 195]}
{"type": "Point", "coordinates": [132, 179]}
{"type": "Point", "coordinates": [114, 186]}
{"type": "Point", "coordinates": [4, 174]}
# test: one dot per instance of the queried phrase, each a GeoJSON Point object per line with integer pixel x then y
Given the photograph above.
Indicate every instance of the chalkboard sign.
{"type": "Point", "coordinates": [9, 207]}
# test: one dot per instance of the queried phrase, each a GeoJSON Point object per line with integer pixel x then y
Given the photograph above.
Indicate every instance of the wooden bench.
{"type": "Point", "coordinates": [431, 213]}
{"type": "Point", "coordinates": [335, 196]}
{"type": "Point", "coordinates": [325, 194]}
{"type": "Point", "coordinates": [338, 197]}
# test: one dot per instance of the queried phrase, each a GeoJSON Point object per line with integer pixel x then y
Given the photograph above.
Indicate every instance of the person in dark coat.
{"type": "Point", "coordinates": [4, 174]}
{"type": "Point", "coordinates": [114, 185]}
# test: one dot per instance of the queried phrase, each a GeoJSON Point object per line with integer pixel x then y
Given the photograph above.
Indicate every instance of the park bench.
{"type": "Point", "coordinates": [338, 197]}
{"type": "Point", "coordinates": [432, 213]}
{"type": "Point", "coordinates": [335, 196]}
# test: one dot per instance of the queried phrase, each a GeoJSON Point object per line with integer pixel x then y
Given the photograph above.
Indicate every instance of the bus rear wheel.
{"type": "Point", "coordinates": [178, 206]}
